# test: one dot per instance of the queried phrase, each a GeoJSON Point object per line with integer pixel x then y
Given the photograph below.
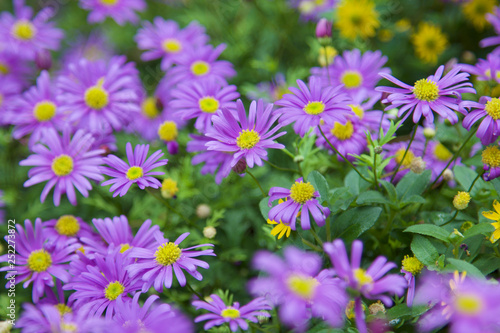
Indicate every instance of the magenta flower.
{"type": "Point", "coordinates": [433, 94]}
{"type": "Point", "coordinates": [488, 109]}
{"type": "Point", "coordinates": [65, 163]}
{"type": "Point", "coordinates": [119, 10]}
{"type": "Point", "coordinates": [138, 169]}
{"type": "Point", "coordinates": [234, 315]}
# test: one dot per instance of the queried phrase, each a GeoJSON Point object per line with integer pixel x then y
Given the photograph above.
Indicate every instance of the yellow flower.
{"type": "Point", "coordinates": [429, 42]}
{"type": "Point", "coordinates": [494, 216]}
{"type": "Point", "coordinates": [357, 18]}
{"type": "Point", "coordinates": [461, 200]}
{"type": "Point", "coordinates": [169, 188]}
{"type": "Point", "coordinates": [280, 229]}
{"type": "Point", "coordinates": [475, 11]}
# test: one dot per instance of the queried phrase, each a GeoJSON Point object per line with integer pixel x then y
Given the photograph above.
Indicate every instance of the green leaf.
{"type": "Point", "coordinates": [320, 184]}
{"type": "Point", "coordinates": [481, 228]}
{"type": "Point", "coordinates": [487, 265]}
{"type": "Point", "coordinates": [391, 190]}
{"type": "Point", "coordinates": [264, 208]}
{"type": "Point", "coordinates": [496, 184]}
{"type": "Point", "coordinates": [461, 266]}
{"type": "Point", "coordinates": [429, 230]}
{"type": "Point", "coordinates": [424, 250]}
{"type": "Point", "coordinates": [354, 182]}
{"type": "Point", "coordinates": [403, 312]}
{"type": "Point", "coordinates": [356, 221]}
{"type": "Point", "coordinates": [465, 176]}
{"type": "Point", "coordinates": [413, 199]}
{"type": "Point", "coordinates": [371, 197]}
{"type": "Point", "coordinates": [341, 198]}
{"type": "Point", "coordinates": [412, 184]}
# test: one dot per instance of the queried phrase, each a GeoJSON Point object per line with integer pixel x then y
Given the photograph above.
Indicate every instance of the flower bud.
{"type": "Point", "coordinates": [298, 158]}
{"type": "Point", "coordinates": [456, 237]}
{"type": "Point", "coordinates": [378, 150]}
{"type": "Point", "coordinates": [203, 211]}
{"type": "Point", "coordinates": [324, 28]}
{"type": "Point", "coordinates": [169, 188]}
{"type": "Point", "coordinates": [5, 326]}
{"type": "Point", "coordinates": [448, 175]}
{"type": "Point", "coordinates": [466, 226]}
{"type": "Point", "coordinates": [417, 165]}
{"type": "Point", "coordinates": [429, 133]}
{"type": "Point", "coordinates": [241, 166]}
{"type": "Point", "coordinates": [43, 60]}
{"type": "Point", "coordinates": [209, 232]}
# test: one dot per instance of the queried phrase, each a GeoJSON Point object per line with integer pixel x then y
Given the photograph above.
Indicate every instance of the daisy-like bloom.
{"type": "Point", "coordinates": [65, 163]}
{"type": "Point", "coordinates": [67, 227]}
{"type": "Point", "coordinates": [247, 138]}
{"type": "Point", "coordinates": [301, 197]}
{"type": "Point", "coordinates": [234, 315]}
{"type": "Point", "coordinates": [14, 70]}
{"type": "Point", "coordinates": [488, 109]}
{"type": "Point", "coordinates": [491, 162]}
{"type": "Point", "coordinates": [485, 70]}
{"type": "Point", "coordinates": [370, 283]}
{"type": "Point", "coordinates": [151, 117]}
{"type": "Point", "coordinates": [100, 95]}
{"type": "Point", "coordinates": [429, 42]}
{"type": "Point", "coordinates": [494, 19]}
{"type": "Point", "coordinates": [437, 157]}
{"type": "Point", "coordinates": [93, 47]}
{"type": "Point", "coordinates": [312, 9]}
{"type": "Point", "coordinates": [357, 73]}
{"type": "Point", "coordinates": [475, 12]}
{"type": "Point", "coordinates": [437, 93]}
{"type": "Point", "coordinates": [306, 107]}
{"type": "Point", "coordinates": [163, 39]}
{"type": "Point", "coordinates": [138, 169]}
{"type": "Point", "coordinates": [25, 34]}
{"type": "Point", "coordinates": [300, 288]}
{"type": "Point", "coordinates": [357, 18]}
{"type": "Point", "coordinates": [36, 262]}
{"type": "Point", "coordinates": [201, 100]}
{"type": "Point", "coordinates": [494, 216]}
{"type": "Point", "coordinates": [119, 10]}
{"type": "Point", "coordinates": [411, 267]}
{"type": "Point", "coordinates": [280, 228]}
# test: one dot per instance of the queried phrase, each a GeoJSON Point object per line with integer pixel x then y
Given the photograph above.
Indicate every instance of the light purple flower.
{"type": "Point", "coordinates": [15, 70]}
{"type": "Point", "coordinates": [67, 227]}
{"type": "Point", "coordinates": [93, 47]}
{"type": "Point", "coordinates": [494, 19]}
{"type": "Point", "coordinates": [119, 10]}
{"type": "Point", "coordinates": [485, 70]}
{"type": "Point", "coordinates": [488, 109]}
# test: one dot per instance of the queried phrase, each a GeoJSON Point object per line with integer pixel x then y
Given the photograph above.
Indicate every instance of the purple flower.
{"type": "Point", "coordinates": [301, 197]}
{"type": "Point", "coordinates": [491, 162]}
{"type": "Point", "coordinates": [138, 169]}
{"type": "Point", "coordinates": [234, 315]}
{"type": "Point", "coordinates": [488, 109]}
{"type": "Point", "coordinates": [312, 9]}
{"type": "Point", "coordinates": [324, 28]}
{"type": "Point", "coordinates": [93, 47]}
{"type": "Point", "coordinates": [65, 163]}
{"type": "Point", "coordinates": [14, 70]}
{"type": "Point", "coordinates": [436, 93]}
{"type": "Point", "coordinates": [67, 227]}
{"type": "Point", "coordinates": [119, 10]}
{"type": "Point", "coordinates": [249, 138]}
{"type": "Point", "coordinates": [494, 19]}
{"type": "Point", "coordinates": [411, 267]}
{"type": "Point", "coordinates": [299, 286]}
{"type": "Point", "coordinates": [485, 70]}
{"type": "Point", "coordinates": [152, 116]}
{"type": "Point", "coordinates": [157, 265]}
{"type": "Point", "coordinates": [306, 108]}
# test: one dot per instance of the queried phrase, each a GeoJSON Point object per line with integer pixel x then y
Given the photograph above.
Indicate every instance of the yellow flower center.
{"type": "Point", "coordinates": [408, 158]}
{"type": "Point", "coordinates": [426, 90]}
{"type": "Point", "coordinates": [302, 286]}
{"type": "Point", "coordinates": [492, 108]}
{"type": "Point", "coordinates": [491, 156]}
{"type": "Point", "coordinates": [172, 45]}
{"type": "Point", "coordinates": [358, 110]}
{"type": "Point", "coordinates": [124, 247]}
{"type": "Point", "coordinates": [208, 104]}
{"type": "Point", "coordinates": [442, 153]}
{"type": "Point", "coordinates": [63, 309]}
{"type": "Point", "coordinates": [67, 225]}
{"type": "Point", "coordinates": [301, 192]}
{"type": "Point", "coordinates": [68, 327]}
{"type": "Point", "coordinates": [342, 132]}
{"type": "Point", "coordinates": [113, 290]}
{"type": "Point", "coordinates": [230, 313]}
{"type": "Point", "coordinates": [39, 261]}
{"type": "Point", "coordinates": [200, 68]}
{"type": "Point", "coordinates": [96, 97]}
{"type": "Point", "coordinates": [168, 131]}
{"type": "Point", "coordinates": [314, 108]}
{"type": "Point", "coordinates": [362, 277]}
{"type": "Point", "coordinates": [134, 172]}
{"type": "Point", "coordinates": [461, 200]}
{"type": "Point", "coordinates": [149, 108]}
{"type": "Point", "coordinates": [412, 265]}
{"type": "Point", "coordinates": [468, 304]}
{"type": "Point", "coordinates": [351, 79]}
{"type": "Point", "coordinates": [247, 139]}
{"type": "Point", "coordinates": [24, 30]}
{"type": "Point", "coordinates": [109, 2]}
{"type": "Point", "coordinates": [4, 68]}
{"type": "Point", "coordinates": [169, 188]}
{"type": "Point", "coordinates": [44, 111]}
{"type": "Point", "coordinates": [62, 165]}
{"type": "Point", "coordinates": [168, 253]}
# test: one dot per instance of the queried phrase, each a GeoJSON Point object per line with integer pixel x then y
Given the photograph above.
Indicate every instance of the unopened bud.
{"type": "Point", "coordinates": [378, 150]}
{"type": "Point", "coordinates": [448, 175]}
{"type": "Point", "coordinates": [393, 112]}
{"type": "Point", "coordinates": [429, 133]}
{"type": "Point", "coordinates": [324, 28]}
{"type": "Point", "coordinates": [203, 211]}
{"type": "Point", "coordinates": [240, 167]}
{"type": "Point", "coordinates": [376, 308]}
{"type": "Point", "coordinates": [466, 226]}
{"type": "Point", "coordinates": [43, 60]}
{"type": "Point", "coordinates": [456, 237]}
{"type": "Point", "coordinates": [263, 319]}
{"type": "Point", "coordinates": [209, 232]}
{"type": "Point", "coordinates": [417, 165]}
{"type": "Point", "coordinates": [5, 326]}
{"type": "Point", "coordinates": [298, 158]}
{"type": "Point", "coordinates": [461, 200]}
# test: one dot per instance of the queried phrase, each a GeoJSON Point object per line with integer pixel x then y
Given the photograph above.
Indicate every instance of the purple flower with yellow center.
{"type": "Point", "coordinates": [157, 264]}
{"type": "Point", "coordinates": [25, 34]}
{"type": "Point", "coordinates": [300, 288]}
{"type": "Point", "coordinates": [411, 267]}
{"type": "Point", "coordinates": [163, 39]}
{"type": "Point", "coordinates": [247, 138]}
{"type": "Point", "coordinates": [119, 10]}
{"type": "Point", "coordinates": [307, 106]}
{"type": "Point", "coordinates": [280, 228]}
{"type": "Point", "coordinates": [437, 157]}
{"type": "Point", "coordinates": [234, 315]}
{"type": "Point", "coordinates": [370, 283]}
{"type": "Point", "coordinates": [491, 162]}
{"type": "Point", "coordinates": [14, 70]}
{"type": "Point", "coordinates": [485, 70]}
{"type": "Point", "coordinates": [100, 95]}
{"type": "Point", "coordinates": [36, 262]}
{"type": "Point", "coordinates": [301, 197]}
{"type": "Point", "coordinates": [67, 227]}
{"type": "Point", "coordinates": [138, 169]}
{"type": "Point", "coordinates": [201, 100]}
{"type": "Point", "coordinates": [168, 131]}
{"type": "Point", "coordinates": [65, 163]}
{"type": "Point", "coordinates": [151, 117]}
{"type": "Point", "coordinates": [437, 93]}
{"type": "Point", "coordinates": [488, 109]}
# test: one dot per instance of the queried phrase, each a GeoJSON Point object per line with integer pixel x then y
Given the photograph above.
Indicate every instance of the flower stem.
{"type": "Point", "coordinates": [406, 152]}
{"type": "Point", "coordinates": [257, 182]}
{"type": "Point", "coordinates": [288, 153]}
{"type": "Point", "coordinates": [326, 63]}
{"type": "Point", "coordinates": [193, 291]}
{"type": "Point", "coordinates": [282, 169]}
{"type": "Point", "coordinates": [468, 191]}
{"type": "Point", "coordinates": [375, 180]}
{"type": "Point", "coordinates": [328, 231]}
{"type": "Point", "coordinates": [316, 237]}
{"type": "Point", "coordinates": [311, 245]}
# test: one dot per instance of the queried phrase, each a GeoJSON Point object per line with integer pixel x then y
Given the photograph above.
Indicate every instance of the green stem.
{"type": "Point", "coordinates": [451, 220]}
{"type": "Point", "coordinates": [328, 231]}
{"type": "Point", "coordinates": [257, 182]}
{"type": "Point", "coordinates": [194, 291]}
{"type": "Point", "coordinates": [375, 171]}
{"type": "Point", "coordinates": [326, 62]}
{"type": "Point", "coordinates": [288, 153]}
{"type": "Point", "coordinates": [406, 152]}
{"type": "Point", "coordinates": [311, 245]}
{"type": "Point", "coordinates": [280, 168]}
{"type": "Point", "coordinates": [316, 237]}
{"type": "Point", "coordinates": [169, 206]}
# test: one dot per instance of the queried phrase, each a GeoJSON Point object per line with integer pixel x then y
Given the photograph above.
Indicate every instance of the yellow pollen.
{"type": "Point", "coordinates": [351, 79]}
{"type": "Point", "coordinates": [408, 158]}
{"type": "Point", "coordinates": [426, 90]}
{"type": "Point", "coordinates": [68, 327]}
{"type": "Point", "coordinates": [342, 132]}
{"type": "Point", "coordinates": [358, 110]}
{"type": "Point", "coordinates": [172, 45]}
{"type": "Point", "coordinates": [39, 261]}
{"type": "Point", "coordinates": [491, 156]}
{"type": "Point", "coordinates": [230, 313]}
{"type": "Point", "coordinates": [208, 104]}
{"type": "Point", "coordinates": [468, 304]}
{"type": "Point", "coordinates": [412, 265]}
{"type": "Point", "coordinates": [134, 172]}
{"type": "Point", "coordinates": [167, 253]}
{"type": "Point", "coordinates": [168, 131]}
{"type": "Point", "coordinates": [200, 68]}
{"type": "Point", "coordinates": [149, 108]}
{"type": "Point", "coordinates": [303, 286]}
{"type": "Point", "coordinates": [124, 247]}
{"type": "Point", "coordinates": [113, 290]}
{"type": "Point", "coordinates": [492, 108]}
{"type": "Point", "coordinates": [62, 165]}
{"type": "Point", "coordinates": [63, 309]}
{"type": "Point", "coordinates": [169, 188]}
{"type": "Point", "coordinates": [109, 2]}
{"type": "Point", "coordinates": [44, 111]}
{"type": "Point", "coordinates": [362, 277]}
{"type": "Point", "coordinates": [96, 97]}
{"type": "Point", "coordinates": [24, 30]}
{"type": "Point", "coordinates": [442, 153]}
{"type": "Point", "coordinates": [4, 68]}
{"type": "Point", "coordinates": [314, 108]}
{"type": "Point", "coordinates": [247, 139]}
{"type": "Point", "coordinates": [301, 192]}
{"type": "Point", "coordinates": [461, 200]}
{"type": "Point", "coordinates": [67, 225]}
{"type": "Point", "coordinates": [349, 311]}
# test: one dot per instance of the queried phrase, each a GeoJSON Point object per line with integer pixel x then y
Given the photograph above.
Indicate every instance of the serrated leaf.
{"type": "Point", "coordinates": [370, 197]}
{"type": "Point", "coordinates": [320, 184]}
{"type": "Point", "coordinates": [461, 266]}
{"type": "Point", "coordinates": [429, 230]}
{"type": "Point", "coordinates": [356, 221]}
{"type": "Point", "coordinates": [264, 208]}
{"type": "Point", "coordinates": [412, 184]}
{"type": "Point", "coordinates": [423, 249]}
{"type": "Point", "coordinates": [481, 228]}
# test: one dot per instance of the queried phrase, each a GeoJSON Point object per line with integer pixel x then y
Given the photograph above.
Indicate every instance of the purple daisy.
{"type": "Point", "coordinates": [15, 70]}
{"type": "Point", "coordinates": [249, 138]}
{"type": "Point", "coordinates": [301, 197]}
{"type": "Point", "coordinates": [26, 35]}
{"type": "Point", "coordinates": [485, 70]}
{"type": "Point", "coordinates": [488, 109]}
{"type": "Point", "coordinates": [157, 265]}
{"type": "Point", "coordinates": [165, 40]}
{"type": "Point", "coordinates": [435, 93]}
{"type": "Point", "coordinates": [93, 47]}
{"type": "Point", "coordinates": [100, 95]}
{"type": "Point", "coordinates": [119, 10]}
{"type": "Point", "coordinates": [490, 157]}
{"type": "Point", "coordinates": [151, 117]}
{"type": "Point", "coordinates": [65, 163]}
{"type": "Point", "coordinates": [234, 315]}
{"type": "Point", "coordinates": [67, 227]}
{"type": "Point", "coordinates": [300, 288]}
{"type": "Point", "coordinates": [437, 157]}
{"type": "Point", "coordinates": [494, 19]}
{"type": "Point", "coordinates": [36, 261]}
{"type": "Point", "coordinates": [201, 100]}
{"type": "Point", "coordinates": [138, 169]}
{"type": "Point", "coordinates": [306, 107]}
